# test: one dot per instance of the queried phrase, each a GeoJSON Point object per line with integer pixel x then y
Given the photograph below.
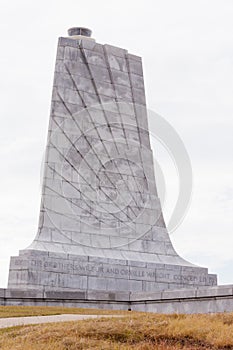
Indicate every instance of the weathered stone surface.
{"type": "Point", "coordinates": [179, 294]}
{"type": "Point", "coordinates": [101, 228]}
{"type": "Point", "coordinates": [2, 292]}
{"type": "Point", "coordinates": [213, 299]}
{"type": "Point", "coordinates": [215, 291]}
{"type": "Point", "coordinates": [24, 293]}
{"type": "Point", "coordinates": [94, 273]}
{"type": "Point", "coordinates": [52, 294]}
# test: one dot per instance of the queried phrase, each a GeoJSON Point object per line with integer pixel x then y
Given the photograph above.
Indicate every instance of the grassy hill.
{"type": "Point", "coordinates": [138, 331]}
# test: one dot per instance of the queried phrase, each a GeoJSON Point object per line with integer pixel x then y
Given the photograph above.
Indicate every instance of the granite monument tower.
{"type": "Point", "coordinates": [101, 226]}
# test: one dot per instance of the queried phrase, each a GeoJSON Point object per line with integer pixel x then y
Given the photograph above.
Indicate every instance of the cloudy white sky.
{"type": "Point", "coordinates": [187, 50]}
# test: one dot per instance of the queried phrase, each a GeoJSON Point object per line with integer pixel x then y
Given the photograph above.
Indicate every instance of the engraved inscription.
{"type": "Point", "coordinates": [76, 267]}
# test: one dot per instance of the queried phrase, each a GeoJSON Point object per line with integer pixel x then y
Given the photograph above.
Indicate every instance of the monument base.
{"type": "Point", "coordinates": [43, 270]}
{"type": "Point", "coordinates": [185, 301]}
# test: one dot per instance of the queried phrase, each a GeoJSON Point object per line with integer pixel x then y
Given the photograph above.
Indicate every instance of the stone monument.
{"type": "Point", "coordinates": [101, 226]}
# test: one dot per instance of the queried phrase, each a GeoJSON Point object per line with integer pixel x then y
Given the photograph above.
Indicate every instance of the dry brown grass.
{"type": "Point", "coordinates": [138, 331]}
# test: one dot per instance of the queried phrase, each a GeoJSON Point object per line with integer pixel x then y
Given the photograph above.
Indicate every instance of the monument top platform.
{"type": "Point", "coordinates": [79, 31]}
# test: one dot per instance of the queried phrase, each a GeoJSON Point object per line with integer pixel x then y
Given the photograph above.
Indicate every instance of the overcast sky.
{"type": "Point", "coordinates": [187, 51]}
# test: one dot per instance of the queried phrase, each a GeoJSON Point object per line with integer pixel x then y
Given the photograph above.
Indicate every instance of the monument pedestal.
{"type": "Point", "coordinates": [42, 270]}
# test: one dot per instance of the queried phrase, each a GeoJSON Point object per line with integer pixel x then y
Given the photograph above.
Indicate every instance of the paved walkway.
{"type": "Point", "coordinates": [20, 321]}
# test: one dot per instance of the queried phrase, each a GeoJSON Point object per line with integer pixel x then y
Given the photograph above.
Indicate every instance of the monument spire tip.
{"type": "Point", "coordinates": [79, 31]}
